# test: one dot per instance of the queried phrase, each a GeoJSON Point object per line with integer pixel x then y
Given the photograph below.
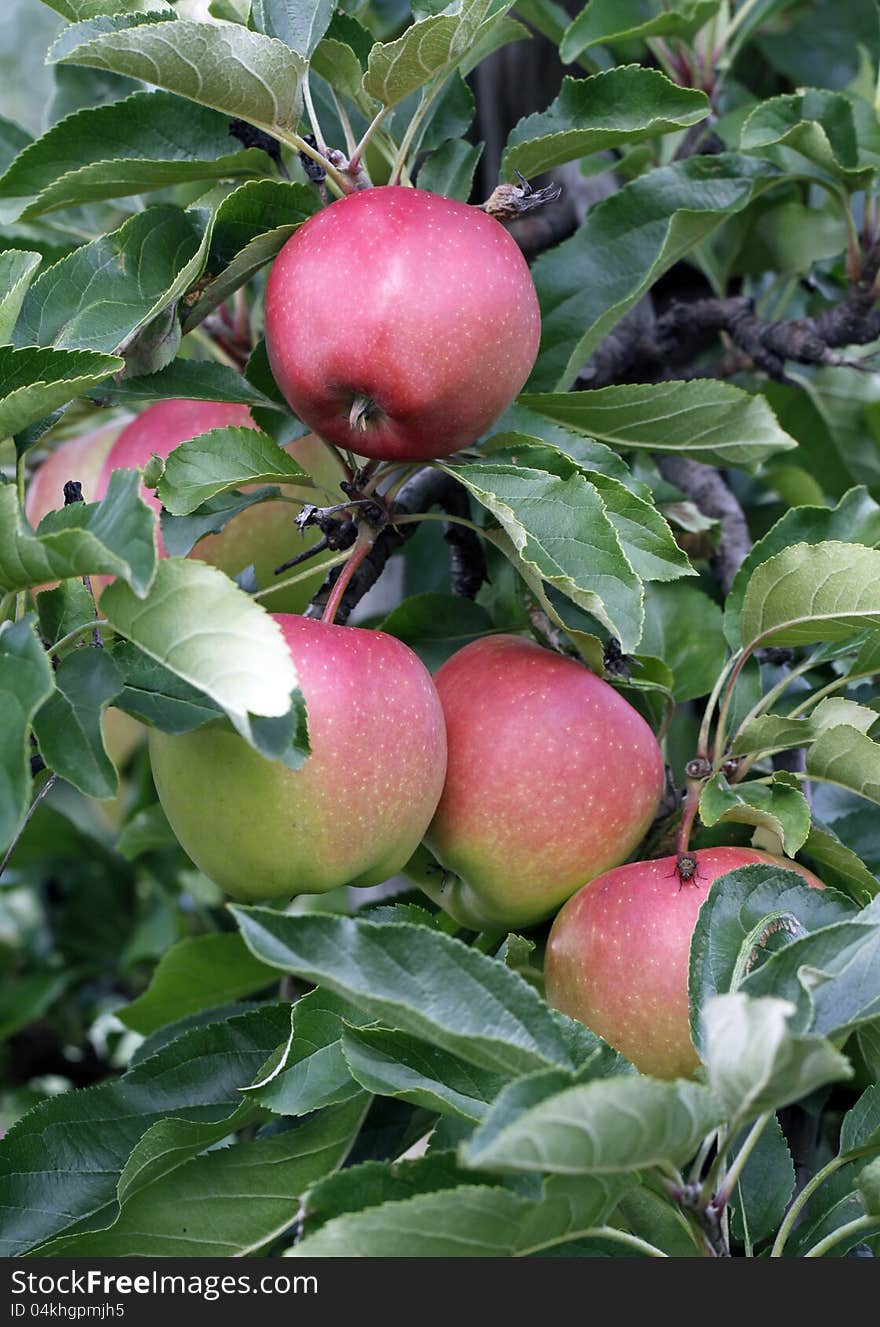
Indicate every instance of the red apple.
{"type": "Point", "coordinates": [400, 324]}
{"type": "Point", "coordinates": [353, 813]}
{"type": "Point", "coordinates": [552, 778]}
{"type": "Point", "coordinates": [81, 458]}
{"type": "Point", "coordinates": [263, 535]}
{"type": "Point", "coordinates": [617, 956]}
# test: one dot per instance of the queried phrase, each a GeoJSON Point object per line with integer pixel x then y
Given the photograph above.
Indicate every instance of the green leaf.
{"type": "Point", "coordinates": [603, 21]}
{"type": "Point", "coordinates": [436, 625]}
{"type": "Point", "coordinates": [610, 1125]}
{"type": "Point", "coordinates": [772, 732]}
{"type": "Point", "coordinates": [60, 1164]}
{"type": "Point", "coordinates": [115, 537]}
{"type": "Point", "coordinates": [300, 24]}
{"type": "Point", "coordinates": [37, 380]}
{"type": "Point", "coordinates": [196, 973]}
{"type": "Point", "coordinates": [233, 651]}
{"type": "Point", "coordinates": [623, 105]}
{"type": "Point", "coordinates": [394, 1064]}
{"type": "Point", "coordinates": [426, 50]}
{"type": "Point", "coordinates": [765, 1185]}
{"type": "Point", "coordinates": [833, 132]}
{"type": "Point", "coordinates": [222, 459]}
{"type": "Point", "coordinates": [17, 270]}
{"type": "Point", "coordinates": [756, 1063]}
{"type": "Point", "coordinates": [839, 866]}
{"type": "Point", "coordinates": [147, 831]}
{"type": "Point", "coordinates": [587, 283]}
{"type": "Point", "coordinates": [381, 969]}
{"type": "Point", "coordinates": [250, 226]}
{"type": "Point", "coordinates": [312, 1072]}
{"type": "Point", "coordinates": [703, 419]}
{"type": "Point", "coordinates": [828, 976]}
{"type": "Point", "coordinates": [227, 1202]}
{"type": "Point", "coordinates": [562, 533]}
{"type": "Point", "coordinates": [182, 533]}
{"type": "Point", "coordinates": [695, 656]}
{"type": "Point", "coordinates": [748, 915]}
{"type": "Point", "coordinates": [845, 756]}
{"type": "Point", "coordinates": [373, 1183]}
{"type": "Point", "coordinates": [470, 1221]}
{"type": "Point", "coordinates": [855, 519]}
{"type": "Point", "coordinates": [777, 808]}
{"type": "Point", "coordinates": [188, 380]}
{"type": "Point", "coordinates": [68, 725]}
{"type": "Point", "coordinates": [65, 608]}
{"type": "Point", "coordinates": [812, 592]}
{"type": "Point", "coordinates": [450, 170]}
{"type": "Point", "coordinates": [869, 1188]}
{"type": "Point", "coordinates": [860, 1127]}
{"type": "Point", "coordinates": [221, 65]}
{"type": "Point", "coordinates": [157, 696]}
{"type": "Point", "coordinates": [25, 684]}
{"type": "Point", "coordinates": [76, 10]}
{"type": "Point", "coordinates": [150, 140]}
{"type": "Point", "coordinates": [25, 1000]}
{"type": "Point", "coordinates": [105, 292]}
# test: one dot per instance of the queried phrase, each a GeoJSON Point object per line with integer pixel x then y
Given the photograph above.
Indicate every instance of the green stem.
{"type": "Point", "coordinates": [338, 182]}
{"type": "Point", "coordinates": [83, 630]}
{"type": "Point", "coordinates": [839, 684]}
{"type": "Point", "coordinates": [736, 1167]}
{"type": "Point", "coordinates": [371, 128]}
{"type": "Point", "coordinates": [806, 1194]}
{"type": "Point", "coordinates": [437, 516]}
{"type": "Point", "coordinates": [706, 725]}
{"type": "Point", "coordinates": [302, 575]}
{"type": "Point", "coordinates": [716, 1170]}
{"type": "Point", "coordinates": [842, 1232]}
{"type": "Point", "coordinates": [313, 114]}
{"type": "Point", "coordinates": [342, 116]}
{"type": "Point", "coordinates": [6, 604]}
{"type": "Point", "coordinates": [20, 471]}
{"type": "Point", "coordinates": [605, 1232]}
{"type": "Point", "coordinates": [740, 17]}
{"type": "Point", "coordinates": [411, 130]}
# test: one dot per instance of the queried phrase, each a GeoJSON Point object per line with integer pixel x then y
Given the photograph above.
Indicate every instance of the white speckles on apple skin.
{"type": "Point", "coordinates": [617, 955]}
{"type": "Point", "coordinates": [436, 320]}
{"type": "Point", "coordinates": [356, 810]}
{"type": "Point", "coordinates": [552, 778]}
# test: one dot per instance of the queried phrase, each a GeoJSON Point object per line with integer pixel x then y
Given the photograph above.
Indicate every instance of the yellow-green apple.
{"type": "Point", "coordinates": [552, 778]}
{"type": "Point", "coordinates": [263, 535]}
{"type": "Point", "coordinates": [401, 324]}
{"type": "Point", "coordinates": [618, 952]}
{"type": "Point", "coordinates": [355, 810]}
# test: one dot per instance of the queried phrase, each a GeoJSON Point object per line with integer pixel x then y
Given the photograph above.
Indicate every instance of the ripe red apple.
{"type": "Point", "coordinates": [401, 324]}
{"type": "Point", "coordinates": [552, 777]}
{"type": "Point", "coordinates": [353, 813]}
{"type": "Point", "coordinates": [263, 535]}
{"type": "Point", "coordinates": [617, 956]}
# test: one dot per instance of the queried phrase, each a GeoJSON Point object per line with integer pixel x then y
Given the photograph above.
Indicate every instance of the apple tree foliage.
{"type": "Point", "coordinates": [685, 496]}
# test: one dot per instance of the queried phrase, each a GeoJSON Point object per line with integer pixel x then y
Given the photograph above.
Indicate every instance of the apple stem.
{"type": "Point", "coordinates": [371, 128]}
{"type": "Point", "coordinates": [689, 814]}
{"type": "Point", "coordinates": [361, 549]}
{"type": "Point", "coordinates": [362, 407]}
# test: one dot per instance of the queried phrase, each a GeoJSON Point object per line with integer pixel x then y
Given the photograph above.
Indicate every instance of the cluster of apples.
{"type": "Point", "coordinates": [513, 782]}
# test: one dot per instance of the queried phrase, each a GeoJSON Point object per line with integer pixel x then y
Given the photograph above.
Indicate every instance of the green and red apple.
{"type": "Point", "coordinates": [353, 813]}
{"type": "Point", "coordinates": [618, 953]}
{"type": "Point", "coordinates": [552, 778]}
{"type": "Point", "coordinates": [263, 535]}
